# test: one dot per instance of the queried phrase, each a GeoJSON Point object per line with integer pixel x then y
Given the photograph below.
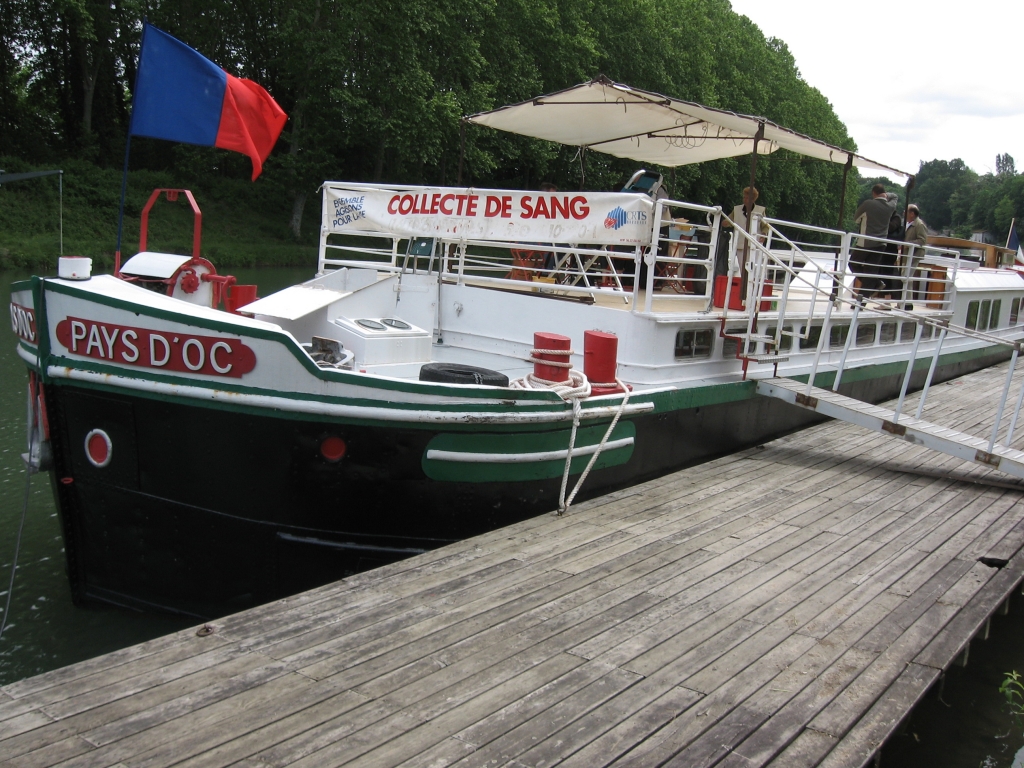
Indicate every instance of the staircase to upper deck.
{"type": "Point", "coordinates": [834, 288]}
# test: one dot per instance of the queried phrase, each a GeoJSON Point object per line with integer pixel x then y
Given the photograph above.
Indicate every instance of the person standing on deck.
{"type": "Point", "coordinates": [916, 230]}
{"type": "Point", "coordinates": [739, 218]}
{"type": "Point", "coordinates": [916, 237]}
{"type": "Point", "coordinates": [873, 215]}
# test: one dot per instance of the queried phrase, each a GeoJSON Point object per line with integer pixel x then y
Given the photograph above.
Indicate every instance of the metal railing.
{"type": "Point", "coordinates": [678, 265]}
{"type": "Point", "coordinates": [830, 287]}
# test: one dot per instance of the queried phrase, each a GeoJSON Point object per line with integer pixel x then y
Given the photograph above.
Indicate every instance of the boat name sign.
{"type": "Point", "coordinates": [184, 352]}
{"type": "Point", "coordinates": [578, 217]}
{"type": "Point", "coordinates": [23, 322]}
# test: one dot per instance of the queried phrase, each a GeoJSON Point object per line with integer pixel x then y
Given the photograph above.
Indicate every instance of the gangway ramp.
{"type": "Point", "coordinates": [880, 419]}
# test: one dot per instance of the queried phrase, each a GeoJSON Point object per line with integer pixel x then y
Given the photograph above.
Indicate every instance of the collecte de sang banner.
{"type": "Point", "coordinates": [607, 218]}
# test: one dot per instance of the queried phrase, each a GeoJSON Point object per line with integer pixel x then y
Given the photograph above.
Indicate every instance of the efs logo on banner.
{"type": "Point", "coordinates": [170, 351]}
{"type": "Point", "coordinates": [617, 217]}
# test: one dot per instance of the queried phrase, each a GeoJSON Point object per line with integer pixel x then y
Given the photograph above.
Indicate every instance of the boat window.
{"type": "Point", "coordinates": [813, 334]}
{"type": "Point", "coordinates": [866, 334]}
{"type": "Point", "coordinates": [926, 332]}
{"type": "Point", "coordinates": [907, 331]}
{"type": "Point", "coordinates": [837, 336]}
{"type": "Point", "coordinates": [731, 346]}
{"type": "Point", "coordinates": [888, 333]}
{"type": "Point", "coordinates": [394, 322]}
{"type": "Point", "coordinates": [693, 343]}
{"type": "Point", "coordinates": [997, 310]}
{"type": "Point", "coordinates": [372, 325]}
{"type": "Point", "coordinates": [1014, 311]}
{"type": "Point", "coordinates": [785, 342]}
{"type": "Point", "coordinates": [972, 314]}
{"type": "Point", "coordinates": [986, 307]}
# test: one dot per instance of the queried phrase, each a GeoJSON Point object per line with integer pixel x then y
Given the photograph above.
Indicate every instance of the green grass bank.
{"type": "Point", "coordinates": [245, 224]}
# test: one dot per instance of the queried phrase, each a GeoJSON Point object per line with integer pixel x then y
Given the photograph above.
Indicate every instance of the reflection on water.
{"type": "Point", "coordinates": [969, 726]}
{"type": "Point", "coordinates": [45, 630]}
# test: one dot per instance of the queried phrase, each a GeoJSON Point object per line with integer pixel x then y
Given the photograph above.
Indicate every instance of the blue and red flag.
{"type": "Point", "coordinates": [180, 95]}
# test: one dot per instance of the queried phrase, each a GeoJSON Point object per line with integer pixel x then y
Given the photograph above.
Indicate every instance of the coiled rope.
{"type": "Point", "coordinates": [578, 388]}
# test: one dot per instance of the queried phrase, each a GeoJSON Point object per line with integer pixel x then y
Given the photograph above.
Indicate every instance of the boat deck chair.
{"type": "Point", "coordinates": [419, 247]}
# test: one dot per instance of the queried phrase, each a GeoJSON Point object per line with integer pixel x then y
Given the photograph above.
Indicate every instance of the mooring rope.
{"type": "Point", "coordinates": [21, 525]}
{"type": "Point", "coordinates": [578, 388]}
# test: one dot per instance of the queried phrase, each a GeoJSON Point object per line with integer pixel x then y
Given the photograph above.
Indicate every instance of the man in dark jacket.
{"type": "Point", "coordinates": [873, 215]}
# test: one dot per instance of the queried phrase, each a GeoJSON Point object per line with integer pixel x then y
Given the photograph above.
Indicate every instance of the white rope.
{"type": "Point", "coordinates": [563, 503]}
{"type": "Point", "coordinates": [576, 389]}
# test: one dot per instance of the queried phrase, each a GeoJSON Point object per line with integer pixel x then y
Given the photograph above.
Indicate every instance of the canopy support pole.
{"type": "Point", "coordinates": [842, 191]}
{"type": "Point", "coordinates": [583, 168]}
{"type": "Point", "coordinates": [750, 214]}
{"type": "Point", "coordinates": [462, 151]}
{"type": "Point", "coordinates": [906, 203]}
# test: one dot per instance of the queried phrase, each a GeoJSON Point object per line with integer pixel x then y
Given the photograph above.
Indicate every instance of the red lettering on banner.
{"type": "Point", "coordinates": [446, 199]}
{"type": "Point", "coordinates": [541, 209]}
{"type": "Point", "coordinates": [527, 206]}
{"type": "Point", "coordinates": [578, 208]}
{"type": "Point", "coordinates": [462, 201]}
{"type": "Point", "coordinates": [186, 353]}
{"type": "Point", "coordinates": [492, 207]}
{"type": "Point", "coordinates": [559, 207]}
{"type": "Point", "coordinates": [393, 204]}
{"type": "Point", "coordinates": [471, 203]}
{"type": "Point", "coordinates": [435, 199]}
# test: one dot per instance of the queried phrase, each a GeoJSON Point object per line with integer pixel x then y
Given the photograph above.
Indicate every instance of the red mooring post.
{"type": "Point", "coordinates": [600, 361]}
{"type": "Point", "coordinates": [557, 373]}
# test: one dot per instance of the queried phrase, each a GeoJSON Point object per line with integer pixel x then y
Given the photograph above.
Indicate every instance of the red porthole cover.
{"type": "Point", "coordinates": [333, 448]}
{"type": "Point", "coordinates": [98, 448]}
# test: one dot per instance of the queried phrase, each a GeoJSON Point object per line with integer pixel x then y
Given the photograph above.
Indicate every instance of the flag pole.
{"type": "Point", "coordinates": [1010, 233]}
{"type": "Point", "coordinates": [127, 152]}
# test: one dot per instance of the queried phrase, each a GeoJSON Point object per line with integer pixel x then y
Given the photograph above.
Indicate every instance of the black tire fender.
{"type": "Point", "coordinates": [453, 373]}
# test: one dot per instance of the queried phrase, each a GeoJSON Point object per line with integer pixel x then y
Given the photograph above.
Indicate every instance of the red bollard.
{"type": "Point", "coordinates": [238, 296]}
{"type": "Point", "coordinates": [600, 351]}
{"type": "Point", "coordinates": [551, 341]}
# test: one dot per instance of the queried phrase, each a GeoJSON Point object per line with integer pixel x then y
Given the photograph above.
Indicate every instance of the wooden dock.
{"type": "Point", "coordinates": [787, 605]}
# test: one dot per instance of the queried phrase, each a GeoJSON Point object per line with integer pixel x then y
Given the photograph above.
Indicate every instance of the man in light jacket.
{"type": "Point", "coordinates": [916, 237]}
{"type": "Point", "coordinates": [916, 232]}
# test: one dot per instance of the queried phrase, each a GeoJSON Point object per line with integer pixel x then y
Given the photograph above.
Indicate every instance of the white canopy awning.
{"type": "Point", "coordinates": [609, 117]}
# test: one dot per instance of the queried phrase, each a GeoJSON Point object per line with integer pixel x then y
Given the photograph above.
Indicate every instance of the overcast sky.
{"type": "Point", "coordinates": [912, 80]}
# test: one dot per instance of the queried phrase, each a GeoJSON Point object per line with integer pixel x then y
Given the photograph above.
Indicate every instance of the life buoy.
{"type": "Point", "coordinates": [451, 373]}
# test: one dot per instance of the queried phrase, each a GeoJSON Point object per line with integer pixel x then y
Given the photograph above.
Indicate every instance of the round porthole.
{"type": "Point", "coordinates": [394, 322]}
{"type": "Point", "coordinates": [372, 325]}
{"type": "Point", "coordinates": [98, 448]}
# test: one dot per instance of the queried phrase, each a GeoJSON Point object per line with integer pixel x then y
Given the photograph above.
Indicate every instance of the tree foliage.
{"type": "Point", "coordinates": [375, 89]}
{"type": "Point", "coordinates": [954, 198]}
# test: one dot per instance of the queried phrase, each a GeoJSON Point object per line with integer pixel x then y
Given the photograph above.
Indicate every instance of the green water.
{"type": "Point", "coordinates": [967, 728]}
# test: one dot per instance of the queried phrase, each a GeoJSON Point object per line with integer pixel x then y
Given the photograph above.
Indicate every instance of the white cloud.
{"type": "Point", "coordinates": [912, 80]}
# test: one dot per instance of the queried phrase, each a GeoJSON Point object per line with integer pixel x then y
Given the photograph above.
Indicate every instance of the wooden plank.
{"type": "Point", "coordinates": [786, 722]}
{"type": "Point", "coordinates": [806, 751]}
{"type": "Point", "coordinates": [947, 644]}
{"type": "Point", "coordinates": [884, 717]}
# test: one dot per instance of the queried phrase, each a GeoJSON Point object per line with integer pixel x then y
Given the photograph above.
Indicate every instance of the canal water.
{"type": "Point", "coordinates": [967, 727]}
